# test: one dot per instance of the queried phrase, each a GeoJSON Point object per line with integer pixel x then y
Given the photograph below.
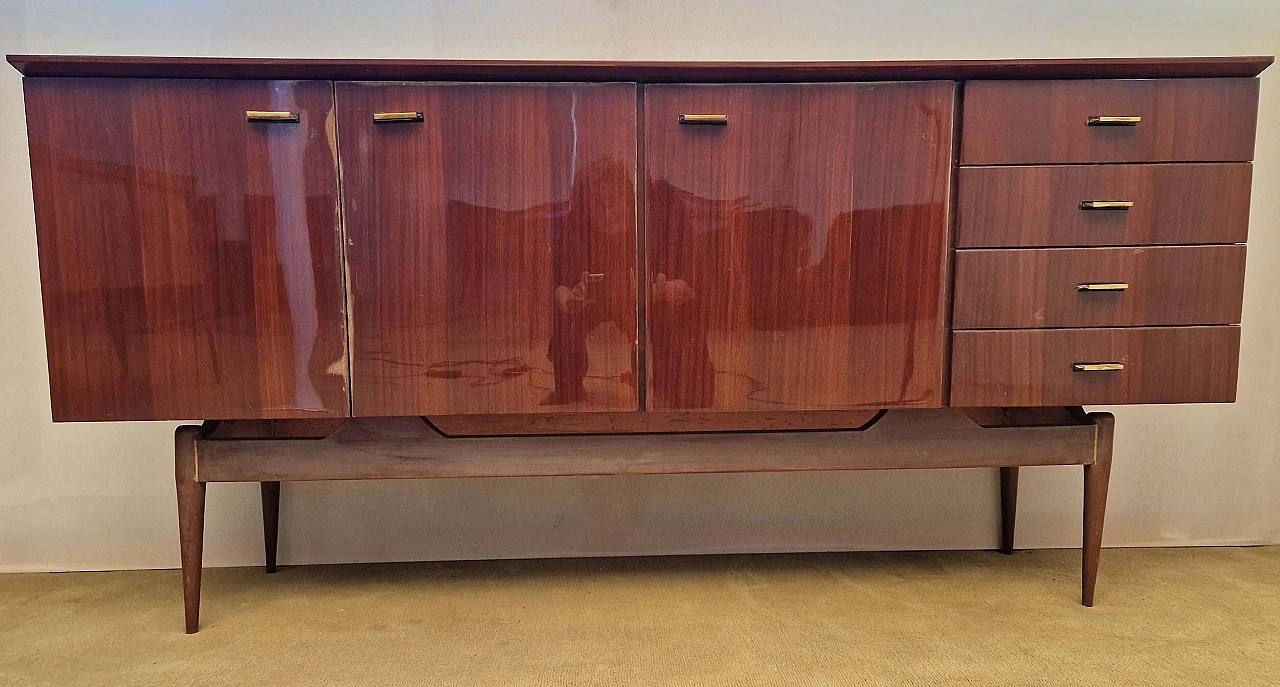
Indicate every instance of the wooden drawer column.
{"type": "Point", "coordinates": [1081, 281]}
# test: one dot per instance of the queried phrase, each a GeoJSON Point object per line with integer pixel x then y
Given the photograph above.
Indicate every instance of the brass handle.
{"type": "Point", "coordinates": [1102, 286]}
{"type": "Point", "coordinates": [269, 116]}
{"type": "Point", "coordinates": [397, 116]}
{"type": "Point", "coordinates": [1097, 367]}
{"type": "Point", "coordinates": [1106, 204]}
{"type": "Point", "coordinates": [704, 119]}
{"type": "Point", "coordinates": [1114, 121]}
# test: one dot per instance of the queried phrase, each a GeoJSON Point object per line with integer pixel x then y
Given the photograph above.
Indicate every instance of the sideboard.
{"type": "Point", "coordinates": [371, 269]}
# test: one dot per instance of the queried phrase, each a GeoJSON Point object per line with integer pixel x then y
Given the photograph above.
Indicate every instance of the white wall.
{"type": "Point", "coordinates": [101, 496]}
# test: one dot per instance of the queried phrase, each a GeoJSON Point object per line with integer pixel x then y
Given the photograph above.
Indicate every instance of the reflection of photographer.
{"type": "Point", "coordinates": [674, 291]}
{"type": "Point", "coordinates": [574, 300]}
{"type": "Point", "coordinates": [683, 376]}
{"type": "Point", "coordinates": [592, 303]}
{"type": "Point", "coordinates": [568, 347]}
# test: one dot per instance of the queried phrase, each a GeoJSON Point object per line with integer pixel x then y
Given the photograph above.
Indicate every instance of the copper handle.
{"type": "Point", "coordinates": [272, 116]}
{"type": "Point", "coordinates": [714, 119]}
{"type": "Point", "coordinates": [1114, 121]}
{"type": "Point", "coordinates": [1097, 367]}
{"type": "Point", "coordinates": [1106, 204]}
{"type": "Point", "coordinates": [397, 116]}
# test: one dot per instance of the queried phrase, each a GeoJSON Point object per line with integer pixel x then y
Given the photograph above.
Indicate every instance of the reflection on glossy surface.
{"type": "Point", "coordinates": [491, 247]}
{"type": "Point", "coordinates": [189, 259]}
{"type": "Point", "coordinates": [797, 256]}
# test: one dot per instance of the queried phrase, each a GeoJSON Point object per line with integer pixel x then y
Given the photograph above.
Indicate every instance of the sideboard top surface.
{"type": "Point", "coordinates": [649, 72]}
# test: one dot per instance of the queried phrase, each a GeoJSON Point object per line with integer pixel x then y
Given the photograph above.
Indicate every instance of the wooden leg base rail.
{"type": "Point", "coordinates": [411, 448]}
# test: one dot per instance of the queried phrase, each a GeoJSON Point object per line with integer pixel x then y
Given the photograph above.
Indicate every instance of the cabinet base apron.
{"type": "Point", "coordinates": [271, 452]}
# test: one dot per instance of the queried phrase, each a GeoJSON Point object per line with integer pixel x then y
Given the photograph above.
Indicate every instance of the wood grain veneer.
{"type": "Point", "coordinates": [768, 293]}
{"type": "Point", "coordinates": [189, 259]}
{"type": "Point", "coordinates": [797, 256]}
{"type": "Point", "coordinates": [1030, 288]}
{"type": "Point", "coordinates": [517, 70]}
{"type": "Point", "coordinates": [1040, 205]}
{"type": "Point", "coordinates": [1033, 367]}
{"type": "Point", "coordinates": [491, 247]}
{"type": "Point", "coordinates": [1183, 120]}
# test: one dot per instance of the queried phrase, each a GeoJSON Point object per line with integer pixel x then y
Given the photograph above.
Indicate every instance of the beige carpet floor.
{"type": "Point", "coordinates": [1164, 617]}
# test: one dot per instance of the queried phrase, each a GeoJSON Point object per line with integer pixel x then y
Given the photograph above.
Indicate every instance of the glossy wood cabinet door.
{"type": "Point", "coordinates": [189, 258]}
{"type": "Point", "coordinates": [491, 236]}
{"type": "Point", "coordinates": [797, 252]}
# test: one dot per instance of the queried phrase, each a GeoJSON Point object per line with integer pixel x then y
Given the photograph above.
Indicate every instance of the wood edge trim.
{"type": "Point", "coordinates": [640, 71]}
{"type": "Point", "coordinates": [948, 285]}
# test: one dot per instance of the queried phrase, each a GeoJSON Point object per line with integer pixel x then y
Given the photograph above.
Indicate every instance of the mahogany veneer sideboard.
{"type": "Point", "coordinates": [370, 269]}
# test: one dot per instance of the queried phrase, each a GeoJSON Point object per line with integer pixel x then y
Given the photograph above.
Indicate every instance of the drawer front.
{"type": "Point", "coordinates": [1037, 367]}
{"type": "Point", "coordinates": [1098, 287]}
{"type": "Point", "coordinates": [1182, 120]}
{"type": "Point", "coordinates": [1048, 205]}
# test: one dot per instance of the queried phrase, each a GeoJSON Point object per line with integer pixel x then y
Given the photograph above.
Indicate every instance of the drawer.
{"type": "Point", "coordinates": [1037, 367]}
{"type": "Point", "coordinates": [1098, 287]}
{"type": "Point", "coordinates": [1182, 120]}
{"type": "Point", "coordinates": [1045, 205]}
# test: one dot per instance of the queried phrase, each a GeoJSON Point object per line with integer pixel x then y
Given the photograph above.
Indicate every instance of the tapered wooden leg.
{"type": "Point", "coordinates": [1008, 507]}
{"type": "Point", "coordinates": [1096, 478]}
{"type": "Point", "coordinates": [190, 521]}
{"type": "Point", "coordinates": [270, 521]}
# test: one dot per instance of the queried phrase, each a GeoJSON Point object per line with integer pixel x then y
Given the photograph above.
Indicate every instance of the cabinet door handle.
{"type": "Point", "coordinates": [397, 116]}
{"type": "Point", "coordinates": [1106, 204]}
{"type": "Point", "coordinates": [714, 119]}
{"type": "Point", "coordinates": [270, 116]}
{"type": "Point", "coordinates": [1102, 286]}
{"type": "Point", "coordinates": [1097, 367]}
{"type": "Point", "coordinates": [1114, 121]}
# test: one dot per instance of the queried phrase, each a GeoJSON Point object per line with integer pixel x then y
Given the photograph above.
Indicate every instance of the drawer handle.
{"type": "Point", "coordinates": [397, 116]}
{"type": "Point", "coordinates": [269, 116]}
{"type": "Point", "coordinates": [713, 119]}
{"type": "Point", "coordinates": [1102, 286]}
{"type": "Point", "coordinates": [1097, 367]}
{"type": "Point", "coordinates": [1114, 121]}
{"type": "Point", "coordinates": [1106, 204]}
